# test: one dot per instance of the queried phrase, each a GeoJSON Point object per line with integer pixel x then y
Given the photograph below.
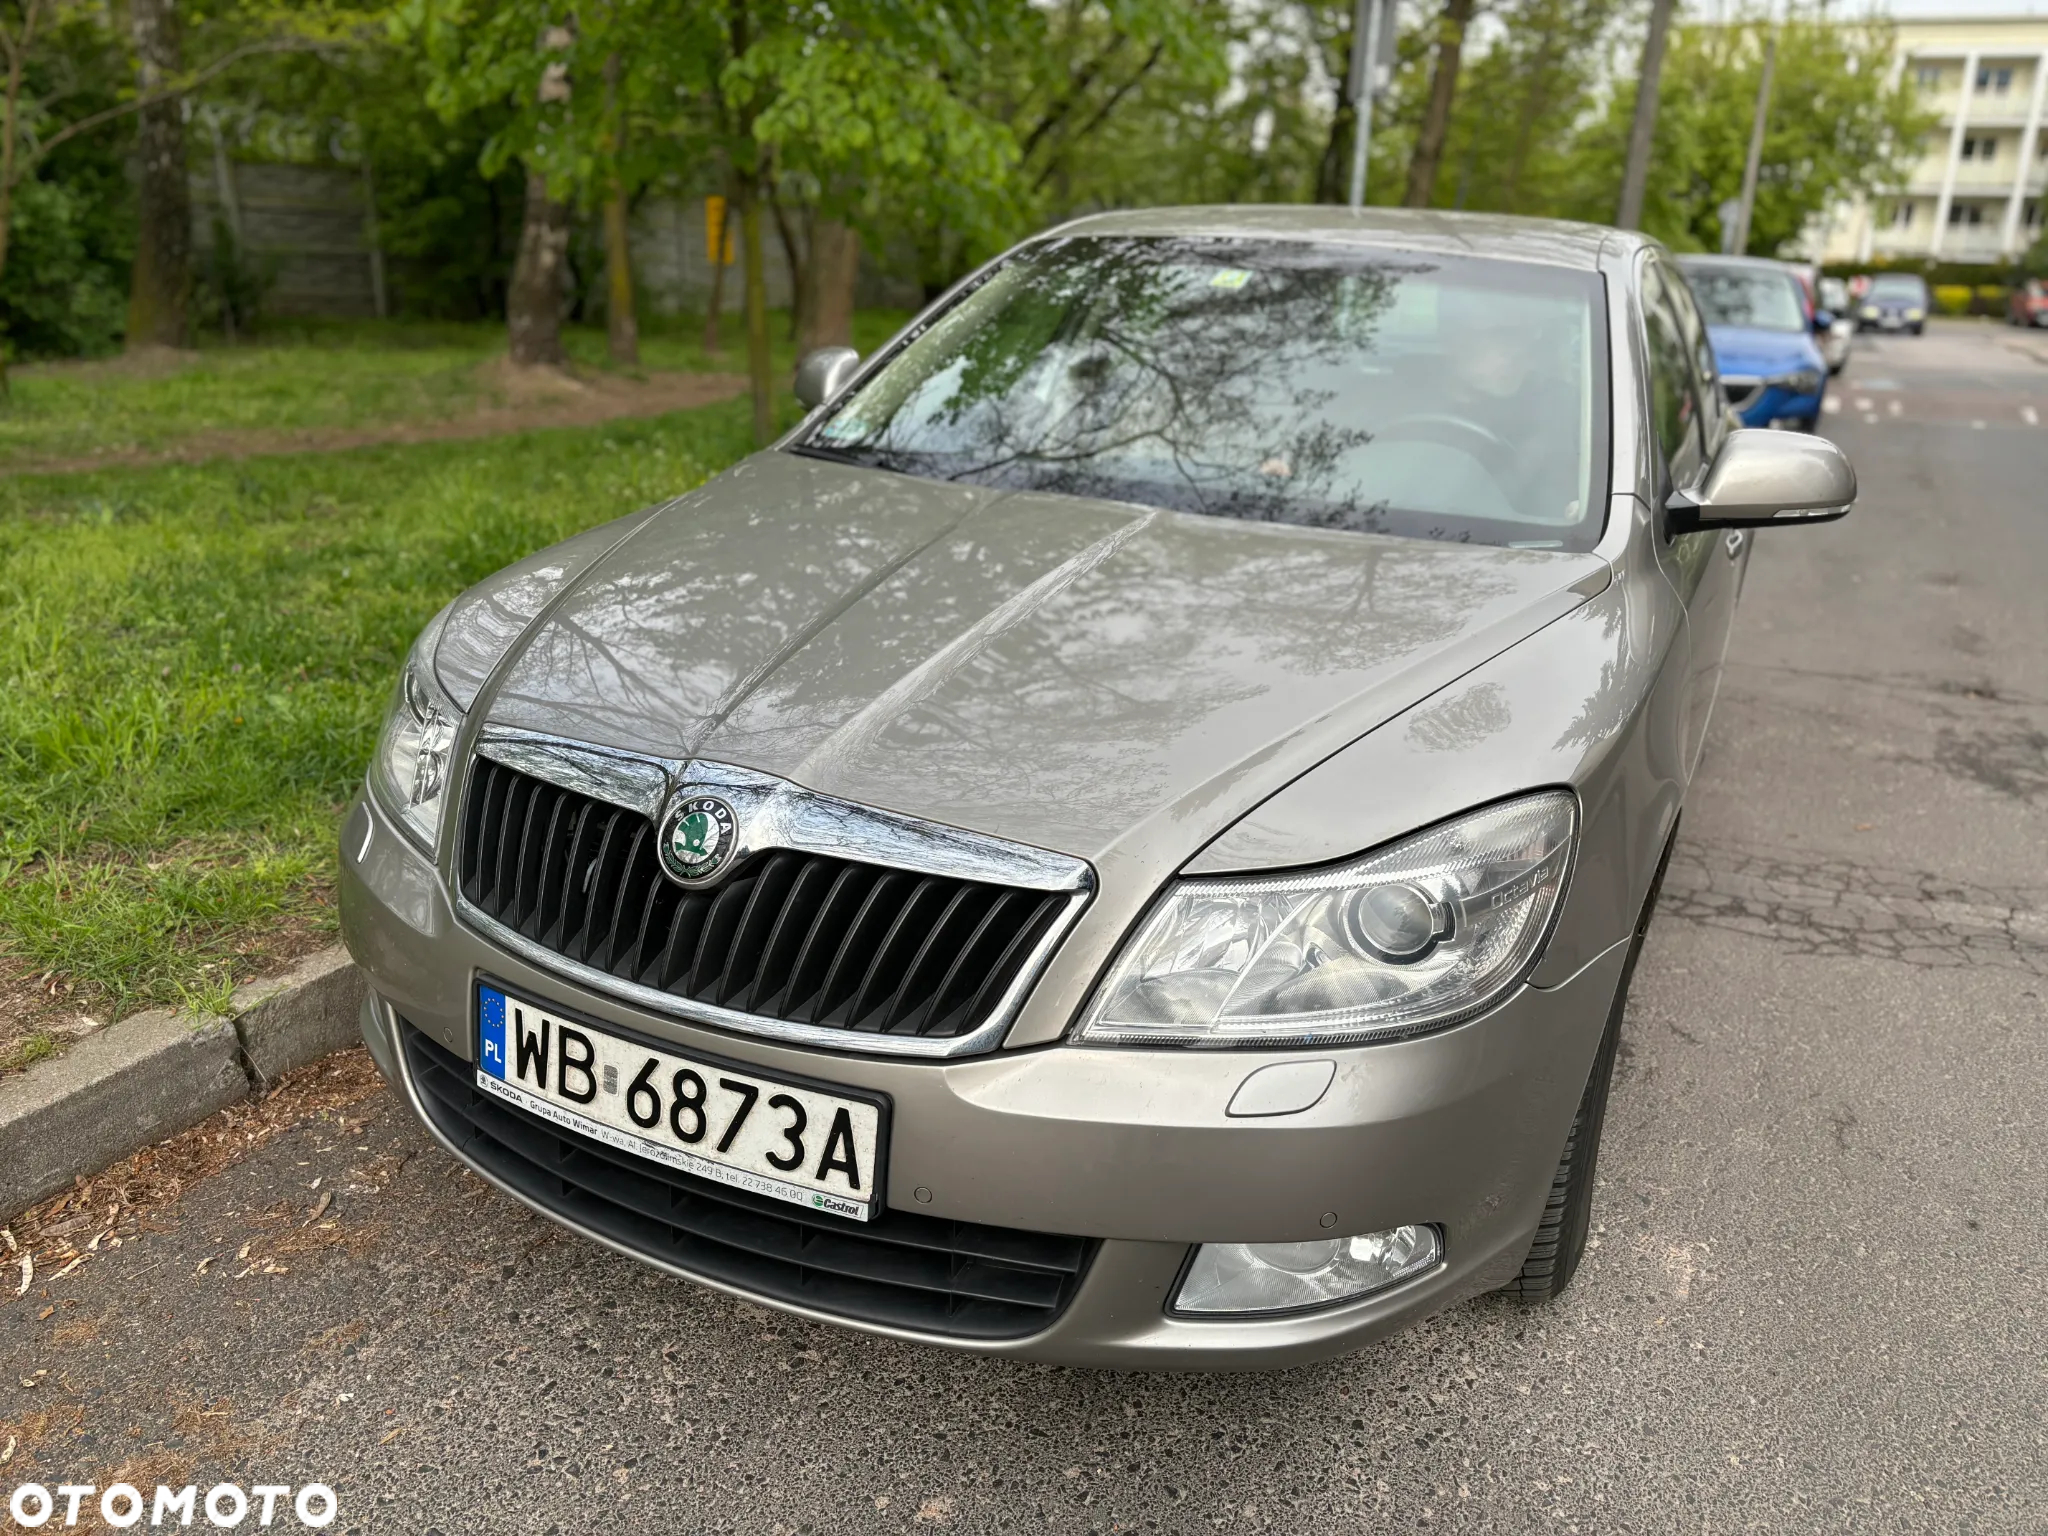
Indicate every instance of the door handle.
{"type": "Point", "coordinates": [1732, 542]}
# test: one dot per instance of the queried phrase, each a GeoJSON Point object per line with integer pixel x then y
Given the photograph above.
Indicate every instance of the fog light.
{"type": "Point", "coordinates": [1286, 1277]}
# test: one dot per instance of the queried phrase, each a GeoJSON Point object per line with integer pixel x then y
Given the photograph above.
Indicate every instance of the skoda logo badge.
{"type": "Point", "coordinates": [698, 839]}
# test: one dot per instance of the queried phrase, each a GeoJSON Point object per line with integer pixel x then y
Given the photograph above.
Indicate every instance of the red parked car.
{"type": "Point", "coordinates": [2028, 304]}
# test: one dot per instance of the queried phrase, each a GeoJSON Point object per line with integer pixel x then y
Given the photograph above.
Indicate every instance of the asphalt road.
{"type": "Point", "coordinates": [1817, 1301]}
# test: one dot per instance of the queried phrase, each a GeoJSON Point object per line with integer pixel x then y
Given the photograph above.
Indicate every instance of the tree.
{"type": "Point", "coordinates": [163, 246]}
{"type": "Point", "coordinates": [1512, 134]}
{"type": "Point", "coordinates": [68, 235]}
{"type": "Point", "coordinates": [591, 103]}
{"type": "Point", "coordinates": [1191, 133]}
{"type": "Point", "coordinates": [1043, 90]}
{"type": "Point", "coordinates": [1436, 116]}
{"type": "Point", "coordinates": [1841, 125]}
{"type": "Point", "coordinates": [864, 109]}
{"type": "Point", "coordinates": [32, 128]}
{"type": "Point", "coordinates": [1642, 130]}
{"type": "Point", "coordinates": [621, 325]}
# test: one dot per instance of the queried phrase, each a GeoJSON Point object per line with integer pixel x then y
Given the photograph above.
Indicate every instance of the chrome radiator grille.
{"type": "Point", "coordinates": [796, 937]}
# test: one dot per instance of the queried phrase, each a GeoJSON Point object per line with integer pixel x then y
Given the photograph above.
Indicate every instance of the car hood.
{"type": "Point", "coordinates": [1064, 672]}
{"type": "Point", "coordinates": [1740, 350]}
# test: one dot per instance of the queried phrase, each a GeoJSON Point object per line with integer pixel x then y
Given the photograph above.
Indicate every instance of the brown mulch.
{"type": "Point", "coordinates": [530, 398]}
{"type": "Point", "coordinates": [69, 1230]}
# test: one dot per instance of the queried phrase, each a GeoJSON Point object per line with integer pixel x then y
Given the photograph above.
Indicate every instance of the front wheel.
{"type": "Point", "coordinates": [1560, 1240]}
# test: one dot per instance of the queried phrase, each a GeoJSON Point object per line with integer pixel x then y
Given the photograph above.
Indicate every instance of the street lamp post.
{"type": "Point", "coordinates": [1754, 164]}
{"type": "Point", "coordinates": [1365, 37]}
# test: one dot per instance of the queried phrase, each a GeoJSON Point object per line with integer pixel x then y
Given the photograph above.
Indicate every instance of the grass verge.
{"type": "Point", "coordinates": [312, 376]}
{"type": "Point", "coordinates": [193, 664]}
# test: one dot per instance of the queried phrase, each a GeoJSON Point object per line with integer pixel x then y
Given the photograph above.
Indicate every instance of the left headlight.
{"type": "Point", "coordinates": [1805, 381]}
{"type": "Point", "coordinates": [1421, 935]}
{"type": "Point", "coordinates": [410, 771]}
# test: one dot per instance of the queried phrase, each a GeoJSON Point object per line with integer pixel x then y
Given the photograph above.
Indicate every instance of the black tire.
{"type": "Point", "coordinates": [1560, 1240]}
{"type": "Point", "coordinates": [1918, 329]}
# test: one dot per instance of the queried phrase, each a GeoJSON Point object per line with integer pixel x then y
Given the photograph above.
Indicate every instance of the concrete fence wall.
{"type": "Point", "coordinates": [310, 227]}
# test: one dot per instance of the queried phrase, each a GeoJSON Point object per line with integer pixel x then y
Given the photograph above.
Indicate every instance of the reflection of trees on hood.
{"type": "Point", "coordinates": [1203, 359]}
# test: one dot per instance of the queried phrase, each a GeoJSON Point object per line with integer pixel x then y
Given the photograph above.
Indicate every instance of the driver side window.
{"type": "Point", "coordinates": [1674, 402]}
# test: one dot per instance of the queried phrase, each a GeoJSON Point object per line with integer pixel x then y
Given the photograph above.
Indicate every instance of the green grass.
{"type": "Point", "coordinates": [342, 380]}
{"type": "Point", "coordinates": [312, 375]}
{"type": "Point", "coordinates": [21, 1054]}
{"type": "Point", "coordinates": [194, 661]}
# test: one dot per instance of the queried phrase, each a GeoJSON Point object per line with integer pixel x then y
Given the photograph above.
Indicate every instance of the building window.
{"type": "Point", "coordinates": [1928, 77]}
{"type": "Point", "coordinates": [1995, 79]}
{"type": "Point", "coordinates": [1984, 149]}
{"type": "Point", "coordinates": [1902, 216]}
{"type": "Point", "coordinates": [1968, 215]}
{"type": "Point", "coordinates": [2033, 214]}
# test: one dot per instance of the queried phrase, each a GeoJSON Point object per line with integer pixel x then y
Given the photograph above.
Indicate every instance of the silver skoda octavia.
{"type": "Point", "coordinates": [1123, 838]}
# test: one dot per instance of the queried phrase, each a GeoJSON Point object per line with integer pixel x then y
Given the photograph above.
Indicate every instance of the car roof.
{"type": "Point", "coordinates": [1552, 242]}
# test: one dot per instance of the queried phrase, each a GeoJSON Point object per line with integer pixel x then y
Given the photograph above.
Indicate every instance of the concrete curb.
{"type": "Point", "coordinates": [154, 1074]}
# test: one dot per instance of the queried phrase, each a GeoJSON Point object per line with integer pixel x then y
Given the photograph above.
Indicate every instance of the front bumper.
{"type": "Point", "coordinates": [1774, 404]}
{"type": "Point", "coordinates": [1462, 1129]}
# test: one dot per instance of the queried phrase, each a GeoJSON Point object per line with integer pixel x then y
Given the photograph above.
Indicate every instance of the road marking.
{"type": "Point", "coordinates": [1976, 426]}
{"type": "Point", "coordinates": [1832, 405]}
{"type": "Point", "coordinates": [2030, 416]}
{"type": "Point", "coordinates": [1870, 418]}
{"type": "Point", "coordinates": [1896, 407]}
{"type": "Point", "coordinates": [1862, 403]}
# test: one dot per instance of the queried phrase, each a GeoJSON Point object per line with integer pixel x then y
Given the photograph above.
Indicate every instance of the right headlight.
{"type": "Point", "coordinates": [410, 770]}
{"type": "Point", "coordinates": [1420, 935]}
{"type": "Point", "coordinates": [1803, 381]}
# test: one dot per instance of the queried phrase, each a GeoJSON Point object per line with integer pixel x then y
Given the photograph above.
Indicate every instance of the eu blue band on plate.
{"type": "Point", "coordinates": [490, 1020]}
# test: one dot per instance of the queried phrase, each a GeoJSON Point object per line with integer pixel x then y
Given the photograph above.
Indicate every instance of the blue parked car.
{"type": "Point", "coordinates": [1764, 338]}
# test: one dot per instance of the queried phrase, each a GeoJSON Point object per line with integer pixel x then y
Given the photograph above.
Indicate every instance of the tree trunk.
{"type": "Point", "coordinates": [1535, 102]}
{"type": "Point", "coordinates": [1642, 128]}
{"type": "Point", "coordinates": [10, 117]}
{"type": "Point", "coordinates": [833, 271]}
{"type": "Point", "coordinates": [1436, 117]}
{"type": "Point", "coordinates": [622, 325]}
{"type": "Point", "coordinates": [757, 313]}
{"type": "Point", "coordinates": [719, 231]}
{"type": "Point", "coordinates": [163, 246]}
{"type": "Point", "coordinates": [533, 304]}
{"type": "Point", "coordinates": [1330, 186]}
{"type": "Point", "coordinates": [799, 274]}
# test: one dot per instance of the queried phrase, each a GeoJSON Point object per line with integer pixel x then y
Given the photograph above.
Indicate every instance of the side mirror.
{"type": "Point", "coordinates": [1823, 320]}
{"type": "Point", "coordinates": [1762, 478]}
{"type": "Point", "coordinates": [823, 373]}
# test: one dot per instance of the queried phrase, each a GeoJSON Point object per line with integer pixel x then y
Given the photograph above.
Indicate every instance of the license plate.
{"type": "Point", "coordinates": [787, 1140]}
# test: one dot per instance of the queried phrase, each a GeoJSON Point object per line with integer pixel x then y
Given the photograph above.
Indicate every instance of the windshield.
{"type": "Point", "coordinates": [1759, 301]}
{"type": "Point", "coordinates": [1897, 286]}
{"type": "Point", "coordinates": [1289, 382]}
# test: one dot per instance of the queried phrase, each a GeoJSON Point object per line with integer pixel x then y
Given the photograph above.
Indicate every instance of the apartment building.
{"type": "Point", "coordinates": [1978, 191]}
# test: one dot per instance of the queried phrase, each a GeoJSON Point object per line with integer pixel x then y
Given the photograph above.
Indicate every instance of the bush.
{"type": "Point", "coordinates": [72, 234]}
{"type": "Point", "coordinates": [65, 290]}
{"type": "Point", "coordinates": [1952, 298]}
